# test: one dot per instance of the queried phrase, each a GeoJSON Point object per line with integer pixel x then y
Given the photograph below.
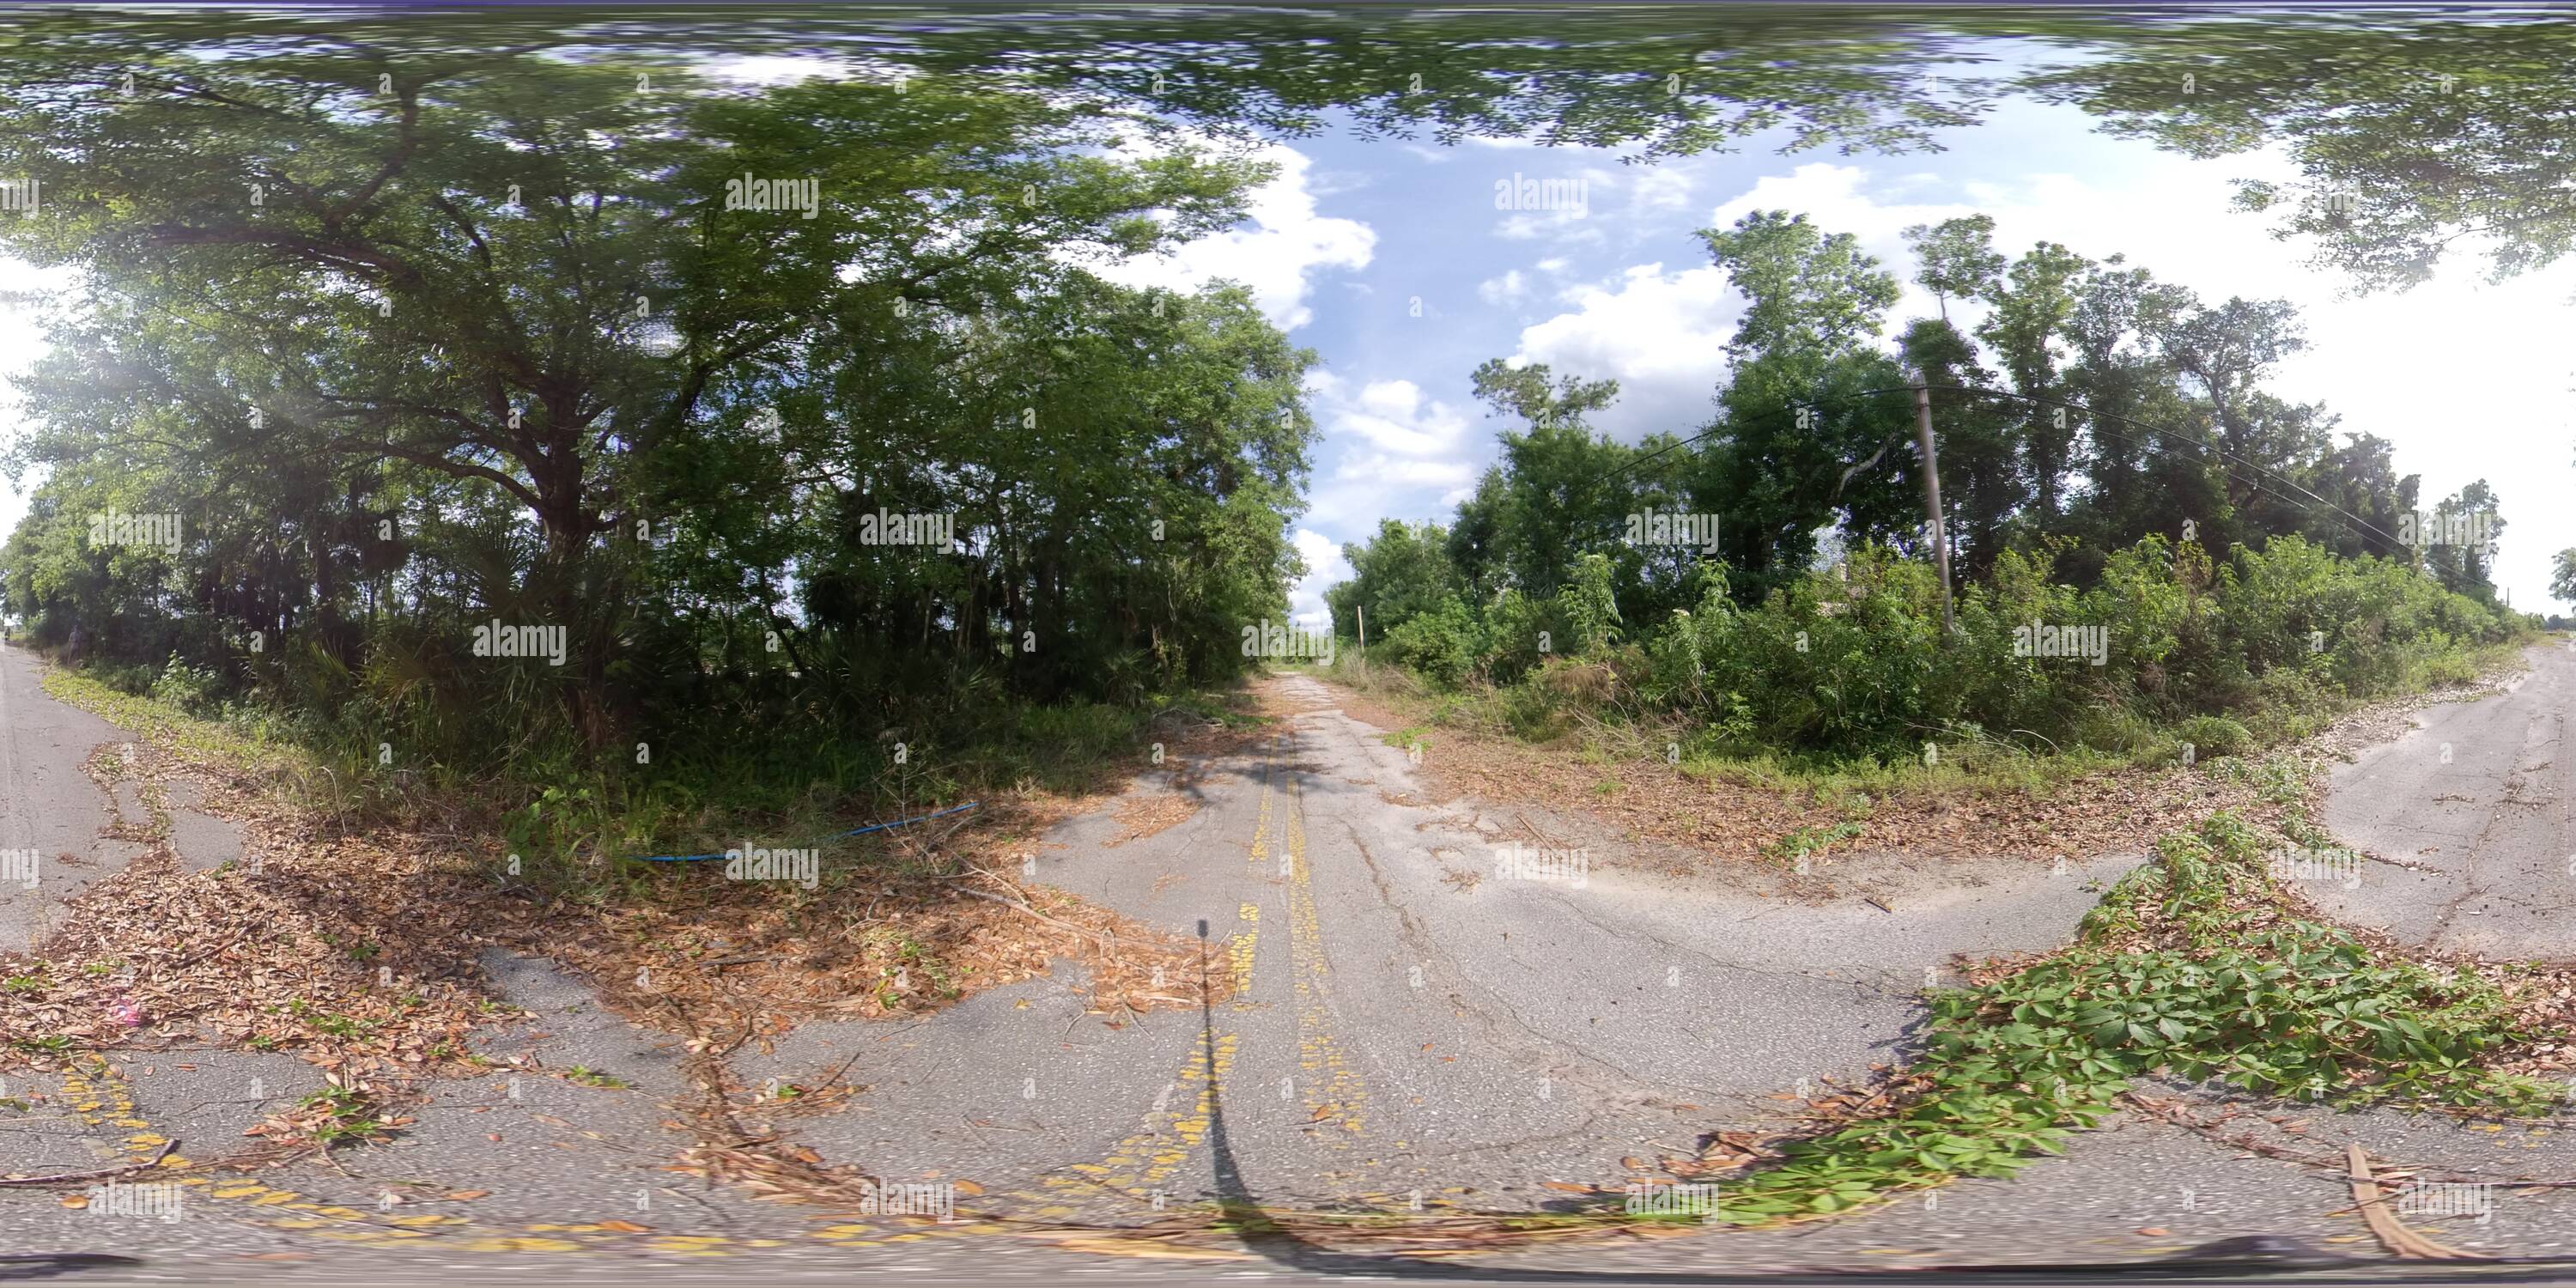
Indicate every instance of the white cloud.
{"type": "Point", "coordinates": [1660, 187]}
{"type": "Point", "coordinates": [1283, 244]}
{"type": "Point", "coordinates": [1551, 205]}
{"type": "Point", "coordinates": [1324, 567]}
{"type": "Point", "coordinates": [782, 69]}
{"type": "Point", "coordinates": [1386, 445]}
{"type": "Point", "coordinates": [1409, 473]}
{"type": "Point", "coordinates": [2167, 214]}
{"type": "Point", "coordinates": [1510, 288]}
{"type": "Point", "coordinates": [1393, 416]}
{"type": "Point", "coordinates": [1661, 335]}
{"type": "Point", "coordinates": [1564, 227]}
{"type": "Point", "coordinates": [1834, 197]}
{"type": "Point", "coordinates": [22, 342]}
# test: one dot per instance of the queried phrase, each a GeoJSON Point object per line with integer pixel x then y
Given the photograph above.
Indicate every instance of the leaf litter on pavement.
{"type": "Point", "coordinates": [356, 945]}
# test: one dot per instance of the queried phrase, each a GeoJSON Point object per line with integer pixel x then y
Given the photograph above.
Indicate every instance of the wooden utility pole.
{"type": "Point", "coordinates": [1932, 494]}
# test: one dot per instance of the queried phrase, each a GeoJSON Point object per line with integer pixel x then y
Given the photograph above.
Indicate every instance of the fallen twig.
{"type": "Point", "coordinates": [59, 1178]}
{"type": "Point", "coordinates": [2392, 1232]}
{"type": "Point", "coordinates": [1106, 945]}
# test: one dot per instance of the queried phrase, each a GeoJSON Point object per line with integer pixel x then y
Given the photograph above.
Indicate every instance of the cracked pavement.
{"type": "Point", "coordinates": [2472, 812]}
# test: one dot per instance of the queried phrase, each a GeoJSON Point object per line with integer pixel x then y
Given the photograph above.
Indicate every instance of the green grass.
{"type": "Point", "coordinates": [245, 743]}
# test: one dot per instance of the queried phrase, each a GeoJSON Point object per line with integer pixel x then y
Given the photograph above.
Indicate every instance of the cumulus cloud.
{"type": "Point", "coordinates": [1660, 187]}
{"type": "Point", "coordinates": [1279, 250]}
{"type": "Point", "coordinates": [1393, 415]}
{"type": "Point", "coordinates": [1662, 335]}
{"type": "Point", "coordinates": [1324, 567]}
{"type": "Point", "coordinates": [1510, 288]}
{"type": "Point", "coordinates": [1395, 444]}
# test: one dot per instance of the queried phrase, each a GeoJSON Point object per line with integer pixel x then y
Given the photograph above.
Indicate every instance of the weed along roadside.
{"type": "Point", "coordinates": [2196, 968]}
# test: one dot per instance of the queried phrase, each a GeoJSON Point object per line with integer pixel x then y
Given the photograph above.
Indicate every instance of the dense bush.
{"type": "Point", "coordinates": [2169, 647]}
{"type": "Point", "coordinates": [1443, 644]}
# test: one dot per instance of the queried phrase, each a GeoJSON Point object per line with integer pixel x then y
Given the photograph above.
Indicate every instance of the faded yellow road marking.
{"type": "Point", "coordinates": [103, 1097]}
{"type": "Point", "coordinates": [1334, 1092]}
{"type": "Point", "coordinates": [1141, 1163]}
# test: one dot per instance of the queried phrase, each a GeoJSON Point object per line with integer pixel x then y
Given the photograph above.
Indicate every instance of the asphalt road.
{"type": "Point", "coordinates": [2468, 823]}
{"type": "Point", "coordinates": [50, 812]}
{"type": "Point", "coordinates": [1418, 1018]}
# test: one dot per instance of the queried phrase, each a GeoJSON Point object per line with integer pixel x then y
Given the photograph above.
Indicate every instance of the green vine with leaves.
{"type": "Point", "coordinates": [2196, 967]}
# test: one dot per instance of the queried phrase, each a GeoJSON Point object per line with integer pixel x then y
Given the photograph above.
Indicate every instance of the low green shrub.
{"type": "Point", "coordinates": [2169, 647]}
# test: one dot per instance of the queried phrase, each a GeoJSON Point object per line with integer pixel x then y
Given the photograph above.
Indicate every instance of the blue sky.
{"type": "Point", "coordinates": [2467, 380]}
